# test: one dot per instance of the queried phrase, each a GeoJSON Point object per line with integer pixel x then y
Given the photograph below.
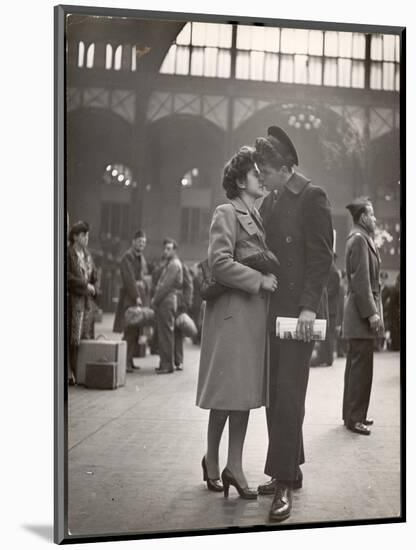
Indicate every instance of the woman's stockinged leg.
{"type": "Point", "coordinates": [216, 423]}
{"type": "Point", "coordinates": [237, 426]}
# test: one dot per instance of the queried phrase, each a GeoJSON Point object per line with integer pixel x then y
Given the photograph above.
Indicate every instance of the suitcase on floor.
{"type": "Point", "coordinates": [101, 375]}
{"type": "Point", "coordinates": [91, 351]}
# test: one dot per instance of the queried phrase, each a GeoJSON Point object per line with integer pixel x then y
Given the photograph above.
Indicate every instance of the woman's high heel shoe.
{"type": "Point", "coordinates": [244, 492]}
{"type": "Point", "coordinates": [212, 484]}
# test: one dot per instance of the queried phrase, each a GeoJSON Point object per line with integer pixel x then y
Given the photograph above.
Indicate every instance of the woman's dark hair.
{"type": "Point", "coordinates": [77, 228]}
{"type": "Point", "coordinates": [265, 153]}
{"type": "Point", "coordinates": [236, 169]}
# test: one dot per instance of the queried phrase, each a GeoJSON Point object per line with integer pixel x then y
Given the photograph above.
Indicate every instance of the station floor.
{"type": "Point", "coordinates": [134, 454]}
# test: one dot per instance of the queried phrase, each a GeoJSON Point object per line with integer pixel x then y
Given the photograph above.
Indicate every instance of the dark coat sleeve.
{"type": "Point", "coordinates": [359, 277]}
{"type": "Point", "coordinates": [318, 247]}
{"type": "Point", "coordinates": [76, 284]}
{"type": "Point", "coordinates": [128, 277]}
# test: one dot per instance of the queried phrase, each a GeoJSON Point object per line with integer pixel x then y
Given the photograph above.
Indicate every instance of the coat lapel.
{"type": "Point", "coordinates": [246, 219]}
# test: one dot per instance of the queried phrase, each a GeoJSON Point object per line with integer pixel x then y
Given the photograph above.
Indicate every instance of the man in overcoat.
{"type": "Point", "coordinates": [165, 303]}
{"type": "Point", "coordinates": [298, 225]}
{"type": "Point", "coordinates": [363, 317]}
{"type": "Point", "coordinates": [133, 269]}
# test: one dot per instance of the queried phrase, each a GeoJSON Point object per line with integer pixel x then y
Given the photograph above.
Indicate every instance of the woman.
{"type": "Point", "coordinates": [233, 372]}
{"type": "Point", "coordinates": [82, 280]}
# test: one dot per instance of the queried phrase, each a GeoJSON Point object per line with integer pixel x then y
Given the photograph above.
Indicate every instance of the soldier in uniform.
{"type": "Point", "coordinates": [133, 269]}
{"type": "Point", "coordinates": [298, 225]}
{"type": "Point", "coordinates": [363, 317]}
{"type": "Point", "coordinates": [165, 303]}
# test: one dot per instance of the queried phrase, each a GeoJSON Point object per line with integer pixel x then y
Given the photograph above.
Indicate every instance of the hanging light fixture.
{"type": "Point", "coordinates": [306, 118]}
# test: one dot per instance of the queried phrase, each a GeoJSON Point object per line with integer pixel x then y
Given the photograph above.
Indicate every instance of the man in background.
{"type": "Point", "coordinates": [363, 318]}
{"type": "Point", "coordinates": [133, 292]}
{"type": "Point", "coordinates": [165, 303]}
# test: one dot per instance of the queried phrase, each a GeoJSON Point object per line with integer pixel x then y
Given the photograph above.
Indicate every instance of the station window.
{"type": "Point", "coordinates": [90, 56]}
{"type": "Point", "coordinates": [200, 49]}
{"type": "Point", "coordinates": [81, 54]}
{"type": "Point", "coordinates": [385, 59]}
{"type": "Point", "coordinates": [115, 219]}
{"type": "Point", "coordinates": [194, 225]}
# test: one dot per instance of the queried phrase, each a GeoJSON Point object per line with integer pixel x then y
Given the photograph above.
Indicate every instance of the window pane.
{"type": "Point", "coordinates": [117, 58]}
{"type": "Point", "coordinates": [108, 56]}
{"type": "Point", "coordinates": [242, 65]}
{"type": "Point", "coordinates": [397, 78]}
{"type": "Point", "coordinates": [197, 61]}
{"type": "Point", "coordinates": [210, 62]}
{"type": "Point", "coordinates": [357, 76]}
{"type": "Point", "coordinates": [182, 60]}
{"type": "Point", "coordinates": [184, 37]}
{"type": "Point", "coordinates": [358, 46]}
{"type": "Point", "coordinates": [244, 37]}
{"type": "Point", "coordinates": [288, 44]}
{"type": "Point", "coordinates": [271, 67]}
{"type": "Point", "coordinates": [224, 63]}
{"type": "Point", "coordinates": [345, 44]}
{"type": "Point", "coordinates": [330, 73]}
{"type": "Point", "coordinates": [316, 42]}
{"type": "Point", "coordinates": [331, 44]}
{"type": "Point", "coordinates": [344, 72]}
{"type": "Point", "coordinates": [388, 76]}
{"type": "Point", "coordinates": [376, 46]}
{"type": "Point", "coordinates": [198, 34]}
{"type": "Point", "coordinates": [375, 76]}
{"type": "Point", "coordinates": [256, 65]}
{"type": "Point", "coordinates": [397, 48]}
{"type": "Point", "coordinates": [225, 36]}
{"type": "Point", "coordinates": [271, 39]}
{"type": "Point", "coordinates": [133, 59]}
{"type": "Point", "coordinates": [388, 47]}
{"type": "Point", "coordinates": [301, 69]}
{"type": "Point", "coordinates": [258, 39]}
{"type": "Point", "coordinates": [301, 41]}
{"type": "Point", "coordinates": [315, 70]}
{"type": "Point", "coordinates": [286, 68]}
{"type": "Point", "coordinates": [212, 34]}
{"type": "Point", "coordinates": [81, 53]}
{"type": "Point", "coordinates": [168, 65]}
{"type": "Point", "coordinates": [90, 56]}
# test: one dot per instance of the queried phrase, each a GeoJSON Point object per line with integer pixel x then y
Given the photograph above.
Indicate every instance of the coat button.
{"type": "Point", "coordinates": [291, 286]}
{"type": "Point", "coordinates": [288, 239]}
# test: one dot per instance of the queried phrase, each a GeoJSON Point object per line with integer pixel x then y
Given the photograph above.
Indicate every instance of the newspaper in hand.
{"type": "Point", "coordinates": [286, 328]}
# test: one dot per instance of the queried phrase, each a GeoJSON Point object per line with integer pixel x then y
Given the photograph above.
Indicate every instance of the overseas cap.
{"type": "Point", "coordinates": [282, 143]}
{"type": "Point", "coordinates": [358, 205]}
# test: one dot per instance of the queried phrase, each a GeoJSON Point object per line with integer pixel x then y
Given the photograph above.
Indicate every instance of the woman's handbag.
{"type": "Point", "coordinates": [137, 316]}
{"type": "Point", "coordinates": [263, 261]}
{"type": "Point", "coordinates": [209, 289]}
